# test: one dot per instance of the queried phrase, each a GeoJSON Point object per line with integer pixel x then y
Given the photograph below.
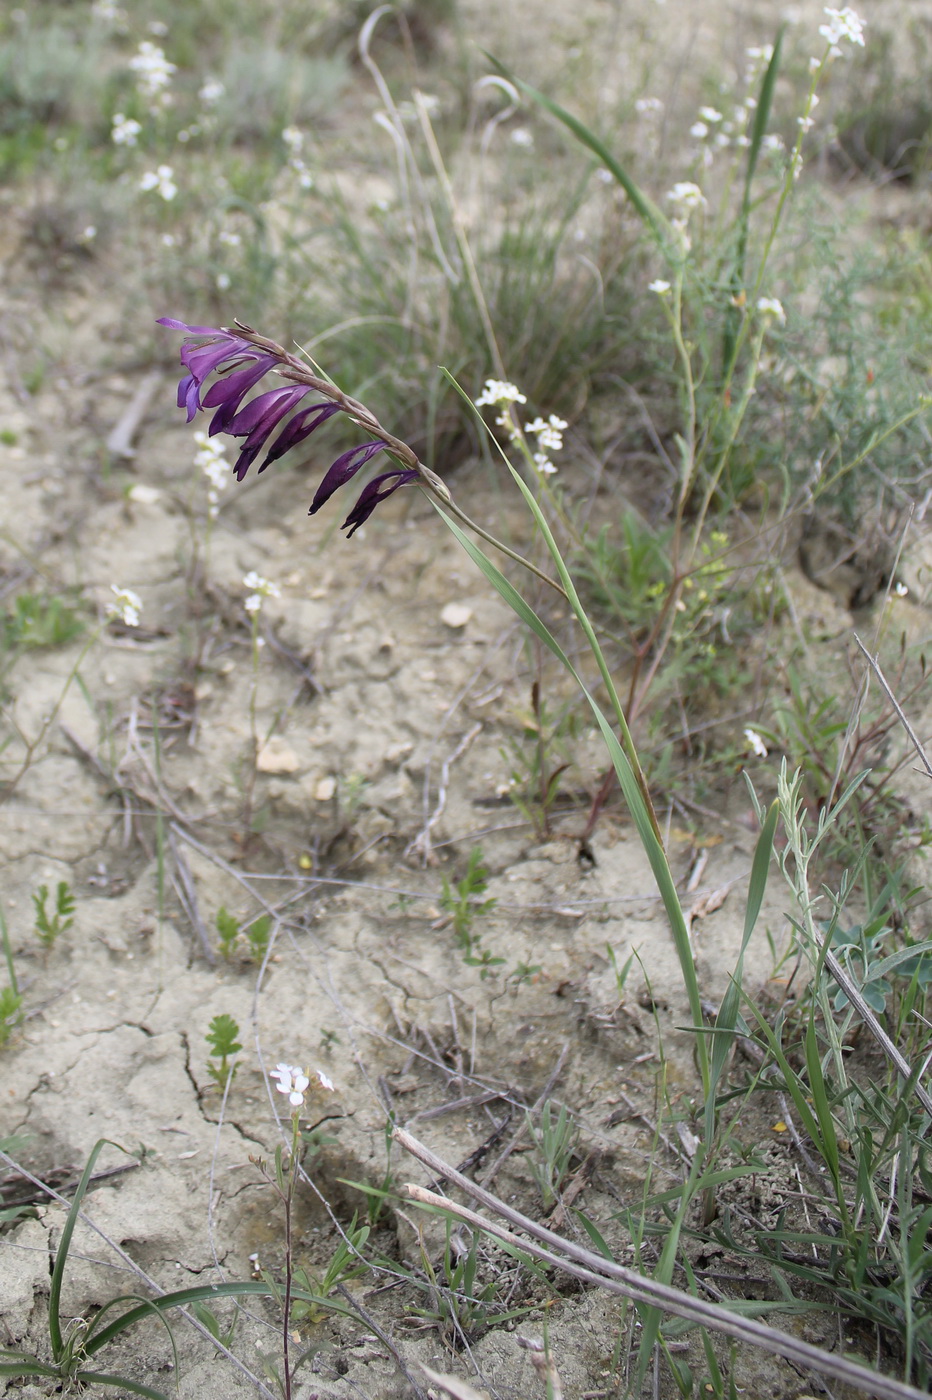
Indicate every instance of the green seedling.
{"type": "Point", "coordinates": [257, 937]}
{"type": "Point", "coordinates": [38, 621]}
{"type": "Point", "coordinates": [463, 902]}
{"type": "Point", "coordinates": [10, 1013]}
{"type": "Point", "coordinates": [537, 762]}
{"type": "Point", "coordinates": [555, 1142]}
{"type": "Point", "coordinates": [224, 1047]}
{"type": "Point", "coordinates": [345, 1264]}
{"type": "Point", "coordinates": [228, 931]}
{"type": "Point", "coordinates": [48, 927]}
{"type": "Point", "coordinates": [10, 999]}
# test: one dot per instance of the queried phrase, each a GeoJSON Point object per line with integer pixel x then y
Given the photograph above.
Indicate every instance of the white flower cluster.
{"type": "Point", "coordinates": [842, 24]}
{"type": "Point", "coordinates": [125, 130]}
{"type": "Point", "coordinates": [126, 606]}
{"type": "Point", "coordinates": [153, 73]}
{"type": "Point", "coordinates": [499, 391]}
{"type": "Point", "coordinates": [261, 588]}
{"type": "Point", "coordinates": [211, 92]}
{"type": "Point", "coordinates": [294, 140]}
{"type": "Point", "coordinates": [294, 1081]}
{"type": "Point", "coordinates": [161, 180]}
{"type": "Point", "coordinates": [771, 307]}
{"type": "Point", "coordinates": [212, 462]}
{"type": "Point", "coordinates": [648, 106]}
{"type": "Point", "coordinates": [549, 435]}
{"type": "Point", "coordinates": [685, 197]}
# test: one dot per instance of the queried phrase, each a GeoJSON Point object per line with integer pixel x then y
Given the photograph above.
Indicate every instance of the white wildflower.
{"type": "Point", "coordinates": [107, 11]}
{"type": "Point", "coordinates": [523, 137]}
{"type": "Point", "coordinates": [325, 1081]}
{"type": "Point", "coordinates": [162, 180]}
{"type": "Point", "coordinates": [901, 590]}
{"type": "Point", "coordinates": [499, 391]}
{"type": "Point", "coordinates": [291, 1081]}
{"type": "Point", "coordinates": [549, 434]}
{"type": "Point", "coordinates": [126, 606]}
{"type": "Point", "coordinates": [755, 743]}
{"type": "Point", "coordinates": [211, 91]}
{"type": "Point", "coordinates": [710, 115]}
{"type": "Point", "coordinates": [293, 139]}
{"type": "Point", "coordinates": [659, 286]}
{"type": "Point", "coordinates": [686, 196]}
{"type": "Point", "coordinates": [770, 306]}
{"type": "Point", "coordinates": [645, 105]}
{"type": "Point", "coordinates": [261, 588]}
{"type": "Point", "coordinates": [699, 130]}
{"type": "Point", "coordinates": [125, 130]}
{"type": "Point", "coordinates": [842, 24]}
{"type": "Point", "coordinates": [543, 464]}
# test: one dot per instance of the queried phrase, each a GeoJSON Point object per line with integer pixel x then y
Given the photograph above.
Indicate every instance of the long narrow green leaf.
{"type": "Point", "coordinates": [645, 207]}
{"type": "Point", "coordinates": [64, 1244]}
{"type": "Point", "coordinates": [762, 116]}
{"type": "Point", "coordinates": [203, 1293]}
{"type": "Point", "coordinates": [134, 1387]}
{"type": "Point", "coordinates": [631, 789]}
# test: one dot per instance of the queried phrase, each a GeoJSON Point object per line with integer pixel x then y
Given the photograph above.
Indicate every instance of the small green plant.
{"type": "Point", "coordinates": [224, 1047]}
{"type": "Point", "coordinates": [11, 1003]}
{"type": "Point", "coordinates": [255, 935]}
{"type": "Point", "coordinates": [860, 949]}
{"type": "Point", "coordinates": [228, 930]}
{"type": "Point", "coordinates": [10, 999]}
{"type": "Point", "coordinates": [345, 1264]}
{"type": "Point", "coordinates": [463, 902]}
{"type": "Point", "coordinates": [537, 761]}
{"type": "Point", "coordinates": [39, 621]}
{"type": "Point", "coordinates": [555, 1142]}
{"type": "Point", "coordinates": [49, 928]}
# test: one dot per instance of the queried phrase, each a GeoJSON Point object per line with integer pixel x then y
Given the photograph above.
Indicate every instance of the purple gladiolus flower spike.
{"type": "Point", "coordinates": [241, 361]}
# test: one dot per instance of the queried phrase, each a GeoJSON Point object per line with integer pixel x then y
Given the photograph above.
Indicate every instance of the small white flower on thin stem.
{"type": "Point", "coordinates": [325, 1081]}
{"type": "Point", "coordinates": [659, 286]}
{"type": "Point", "coordinates": [126, 606]}
{"type": "Point", "coordinates": [125, 131]}
{"type": "Point", "coordinates": [699, 130]}
{"type": "Point", "coordinates": [499, 391]}
{"type": "Point", "coordinates": [162, 180]}
{"type": "Point", "coordinates": [291, 1081]}
{"type": "Point", "coordinates": [710, 115]}
{"type": "Point", "coordinates": [771, 307]}
{"type": "Point", "coordinates": [543, 464]}
{"type": "Point", "coordinates": [755, 743]}
{"type": "Point", "coordinates": [211, 91]}
{"type": "Point", "coordinates": [686, 196]}
{"type": "Point", "coordinates": [261, 588]}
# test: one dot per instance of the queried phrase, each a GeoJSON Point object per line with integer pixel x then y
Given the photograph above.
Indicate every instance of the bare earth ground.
{"type": "Point", "coordinates": [384, 769]}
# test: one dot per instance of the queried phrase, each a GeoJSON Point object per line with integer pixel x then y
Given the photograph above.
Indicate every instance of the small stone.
{"type": "Point", "coordinates": [277, 757]}
{"type": "Point", "coordinates": [144, 495]}
{"type": "Point", "coordinates": [325, 789]}
{"type": "Point", "coordinates": [456, 615]}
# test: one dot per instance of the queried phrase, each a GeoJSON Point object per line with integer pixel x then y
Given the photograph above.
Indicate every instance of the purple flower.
{"type": "Point", "coordinates": [240, 362]}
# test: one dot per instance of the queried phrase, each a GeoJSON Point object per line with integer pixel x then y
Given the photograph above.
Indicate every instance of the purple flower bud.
{"type": "Point", "coordinates": [371, 496]}
{"type": "Point", "coordinates": [343, 470]}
